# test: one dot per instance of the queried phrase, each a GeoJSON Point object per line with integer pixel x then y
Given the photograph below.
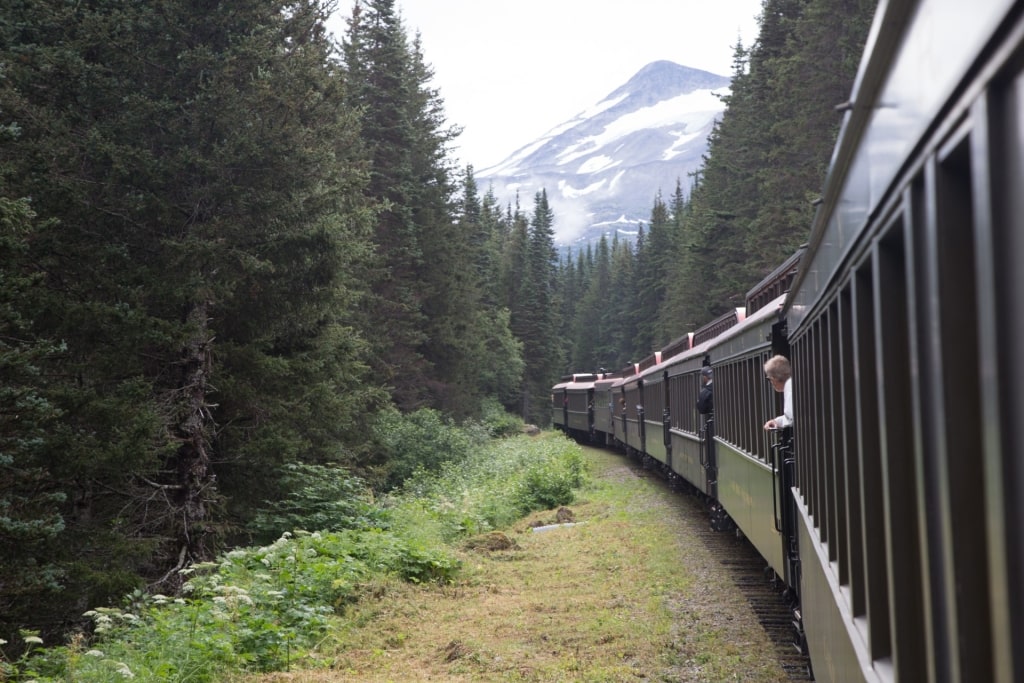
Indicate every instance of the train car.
{"type": "Point", "coordinates": [572, 405]}
{"type": "Point", "coordinates": [560, 404]}
{"type": "Point", "coordinates": [905, 324]}
{"type": "Point", "coordinates": [892, 513]}
{"type": "Point", "coordinates": [579, 406]}
{"type": "Point", "coordinates": [604, 409]}
{"type": "Point", "coordinates": [691, 435]}
{"type": "Point", "coordinates": [747, 481]}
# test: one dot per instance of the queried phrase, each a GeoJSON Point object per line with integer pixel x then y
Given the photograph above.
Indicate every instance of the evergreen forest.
{"type": "Point", "coordinates": [234, 247]}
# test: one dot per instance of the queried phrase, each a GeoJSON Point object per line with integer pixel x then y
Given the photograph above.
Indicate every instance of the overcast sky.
{"type": "Point", "coordinates": [508, 72]}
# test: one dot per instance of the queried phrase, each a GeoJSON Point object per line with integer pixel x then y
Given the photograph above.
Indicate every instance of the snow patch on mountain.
{"type": "Point", "coordinates": [603, 168]}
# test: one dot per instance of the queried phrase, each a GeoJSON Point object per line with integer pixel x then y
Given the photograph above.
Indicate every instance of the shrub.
{"type": "Point", "coordinates": [256, 608]}
{"type": "Point", "coordinates": [499, 422]}
{"type": "Point", "coordinates": [424, 439]}
{"type": "Point", "coordinates": [492, 487]}
{"type": "Point", "coordinates": [319, 499]}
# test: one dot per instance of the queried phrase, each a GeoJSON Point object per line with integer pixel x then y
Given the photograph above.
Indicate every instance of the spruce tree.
{"type": "Point", "coordinates": [203, 230]}
{"type": "Point", "coordinates": [382, 84]}
{"type": "Point", "coordinates": [534, 321]}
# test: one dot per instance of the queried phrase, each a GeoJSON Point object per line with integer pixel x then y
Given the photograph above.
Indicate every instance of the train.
{"type": "Point", "coordinates": [892, 509]}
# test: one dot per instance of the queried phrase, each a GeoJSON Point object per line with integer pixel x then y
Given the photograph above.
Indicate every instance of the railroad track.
{"type": "Point", "coordinates": [749, 573]}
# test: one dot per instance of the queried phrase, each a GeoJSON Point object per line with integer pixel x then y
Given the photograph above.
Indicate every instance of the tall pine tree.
{"type": "Point", "coordinates": [202, 228]}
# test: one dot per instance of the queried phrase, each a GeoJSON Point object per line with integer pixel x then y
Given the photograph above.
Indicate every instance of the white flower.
{"type": "Point", "coordinates": [94, 653]}
{"type": "Point", "coordinates": [34, 639]}
{"type": "Point", "coordinates": [123, 669]}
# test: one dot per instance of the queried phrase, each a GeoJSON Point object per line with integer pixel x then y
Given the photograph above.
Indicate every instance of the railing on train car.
{"type": "Point", "coordinates": [744, 402]}
{"type": "Point", "coordinates": [683, 390]}
{"type": "Point", "coordinates": [776, 284]}
{"type": "Point", "coordinates": [649, 362]}
{"type": "Point", "coordinates": [718, 326]}
{"type": "Point", "coordinates": [674, 348]}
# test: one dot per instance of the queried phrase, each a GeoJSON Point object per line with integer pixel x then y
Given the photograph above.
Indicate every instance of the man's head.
{"type": "Point", "coordinates": [777, 371]}
{"type": "Point", "coordinates": [705, 374]}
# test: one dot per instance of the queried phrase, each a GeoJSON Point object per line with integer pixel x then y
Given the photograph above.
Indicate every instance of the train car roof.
{"type": "Point", "coordinates": [906, 40]}
{"type": "Point", "coordinates": [692, 359]}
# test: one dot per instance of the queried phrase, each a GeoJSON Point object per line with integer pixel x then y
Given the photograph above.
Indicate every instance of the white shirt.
{"type": "Point", "coordinates": [786, 419]}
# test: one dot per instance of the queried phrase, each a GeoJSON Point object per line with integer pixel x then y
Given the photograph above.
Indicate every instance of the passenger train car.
{"type": "Point", "coordinates": [893, 510]}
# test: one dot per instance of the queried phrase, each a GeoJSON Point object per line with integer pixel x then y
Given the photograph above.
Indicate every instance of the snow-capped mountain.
{"type": "Point", "coordinates": [603, 168]}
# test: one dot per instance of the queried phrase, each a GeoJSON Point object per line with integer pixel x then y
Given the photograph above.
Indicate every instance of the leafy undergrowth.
{"type": "Point", "coordinates": [281, 606]}
{"type": "Point", "coordinates": [463, 585]}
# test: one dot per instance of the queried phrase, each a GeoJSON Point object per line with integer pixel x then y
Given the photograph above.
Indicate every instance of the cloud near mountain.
{"type": "Point", "coordinates": [603, 168]}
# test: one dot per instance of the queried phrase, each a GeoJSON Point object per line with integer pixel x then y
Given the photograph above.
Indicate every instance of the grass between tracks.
{"type": "Point", "coordinates": [607, 599]}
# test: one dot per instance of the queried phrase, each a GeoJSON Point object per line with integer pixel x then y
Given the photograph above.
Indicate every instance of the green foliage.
{"type": "Point", "coordinates": [318, 498]}
{"type": "Point", "coordinates": [492, 487]}
{"type": "Point", "coordinates": [199, 250]}
{"type": "Point", "coordinates": [498, 421]}
{"type": "Point", "coordinates": [264, 608]}
{"type": "Point", "coordinates": [253, 609]}
{"type": "Point", "coordinates": [422, 440]}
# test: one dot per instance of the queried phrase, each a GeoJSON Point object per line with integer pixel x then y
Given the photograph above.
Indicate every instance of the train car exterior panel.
{"type": "Point", "coordinates": [579, 400]}
{"type": "Point", "coordinates": [838, 648]}
{"type": "Point", "coordinates": [559, 406]}
{"type": "Point", "coordinates": [746, 491]}
{"type": "Point", "coordinates": [688, 459]}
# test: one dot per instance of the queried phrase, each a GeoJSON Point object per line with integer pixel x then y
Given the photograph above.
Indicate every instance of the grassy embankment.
{"type": "Point", "coordinates": [455, 585]}
{"type": "Point", "coordinates": [623, 595]}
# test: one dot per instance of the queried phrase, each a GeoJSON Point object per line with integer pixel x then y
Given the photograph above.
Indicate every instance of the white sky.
{"type": "Point", "coordinates": [508, 72]}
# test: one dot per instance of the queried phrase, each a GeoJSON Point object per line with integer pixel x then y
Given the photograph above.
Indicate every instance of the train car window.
{"type": "Point", "coordinates": [654, 398]}
{"type": "Point", "coordinates": [950, 409]}
{"type": "Point", "coordinates": [899, 475]}
{"type": "Point", "coordinates": [833, 426]}
{"type": "Point", "coordinates": [872, 504]}
{"type": "Point", "coordinates": [633, 398]}
{"type": "Point", "coordinates": [764, 405]}
{"type": "Point", "coordinates": [809, 390]}
{"type": "Point", "coordinates": [689, 386]}
{"type": "Point", "coordinates": [726, 403]}
{"type": "Point", "coordinates": [851, 570]}
{"type": "Point", "coordinates": [1001, 304]}
{"type": "Point", "coordinates": [742, 406]}
{"type": "Point", "coordinates": [755, 418]}
{"type": "Point", "coordinates": [749, 426]}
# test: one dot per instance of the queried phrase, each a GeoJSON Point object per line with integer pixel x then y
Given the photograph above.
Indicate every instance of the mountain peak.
{"type": "Point", "coordinates": [604, 166]}
{"type": "Point", "coordinates": [665, 76]}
